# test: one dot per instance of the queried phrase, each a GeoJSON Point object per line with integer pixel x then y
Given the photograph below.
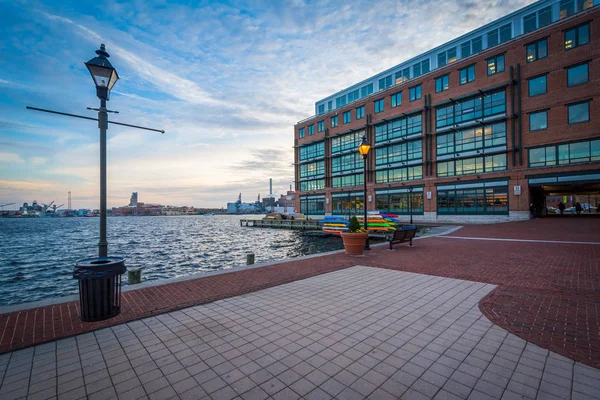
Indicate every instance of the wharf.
{"type": "Point", "coordinates": [295, 224]}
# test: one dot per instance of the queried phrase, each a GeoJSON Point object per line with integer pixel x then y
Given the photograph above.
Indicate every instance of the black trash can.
{"type": "Point", "coordinates": [99, 287]}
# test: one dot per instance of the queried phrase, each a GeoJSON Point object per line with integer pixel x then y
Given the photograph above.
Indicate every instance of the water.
{"type": "Point", "coordinates": [37, 254]}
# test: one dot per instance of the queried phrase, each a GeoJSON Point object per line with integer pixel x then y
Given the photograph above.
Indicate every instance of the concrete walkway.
{"type": "Point", "coordinates": [360, 332]}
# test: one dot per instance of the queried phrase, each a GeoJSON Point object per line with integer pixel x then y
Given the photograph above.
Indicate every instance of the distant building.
{"type": "Point", "coordinates": [133, 202]}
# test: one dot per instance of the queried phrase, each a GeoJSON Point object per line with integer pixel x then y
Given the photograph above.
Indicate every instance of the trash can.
{"type": "Point", "coordinates": [99, 287]}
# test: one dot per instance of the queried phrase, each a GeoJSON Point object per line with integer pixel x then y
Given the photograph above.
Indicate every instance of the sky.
{"type": "Point", "coordinates": [226, 80]}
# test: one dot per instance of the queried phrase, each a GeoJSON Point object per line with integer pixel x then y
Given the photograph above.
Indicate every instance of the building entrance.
{"type": "Point", "coordinates": [546, 198]}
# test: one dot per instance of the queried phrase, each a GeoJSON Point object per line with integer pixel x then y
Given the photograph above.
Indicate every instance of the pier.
{"type": "Point", "coordinates": [294, 224]}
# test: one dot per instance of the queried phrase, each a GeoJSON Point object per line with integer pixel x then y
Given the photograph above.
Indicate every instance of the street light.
{"type": "Point", "coordinates": [363, 149]}
{"type": "Point", "coordinates": [410, 190]}
{"type": "Point", "coordinates": [105, 76]}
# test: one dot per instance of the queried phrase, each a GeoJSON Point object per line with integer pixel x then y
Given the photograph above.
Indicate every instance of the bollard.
{"type": "Point", "coordinates": [134, 276]}
{"type": "Point", "coordinates": [249, 258]}
{"type": "Point", "coordinates": [312, 249]}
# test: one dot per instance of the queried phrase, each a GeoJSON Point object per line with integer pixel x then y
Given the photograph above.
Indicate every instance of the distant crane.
{"type": "Point", "coordinates": [55, 207]}
{"type": "Point", "coordinates": [7, 204]}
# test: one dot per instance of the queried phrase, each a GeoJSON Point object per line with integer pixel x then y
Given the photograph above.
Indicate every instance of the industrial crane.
{"type": "Point", "coordinates": [7, 204]}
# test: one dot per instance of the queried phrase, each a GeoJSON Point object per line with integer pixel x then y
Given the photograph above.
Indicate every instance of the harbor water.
{"type": "Point", "coordinates": [37, 254]}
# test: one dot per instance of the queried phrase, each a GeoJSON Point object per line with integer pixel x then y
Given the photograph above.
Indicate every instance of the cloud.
{"type": "Point", "coordinates": [38, 160]}
{"type": "Point", "coordinates": [11, 158]}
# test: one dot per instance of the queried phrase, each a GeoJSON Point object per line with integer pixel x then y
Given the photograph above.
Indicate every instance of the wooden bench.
{"type": "Point", "coordinates": [402, 235]}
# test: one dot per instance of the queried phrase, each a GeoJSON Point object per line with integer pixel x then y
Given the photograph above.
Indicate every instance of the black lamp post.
{"type": "Point", "coordinates": [363, 149]}
{"type": "Point", "coordinates": [410, 190]}
{"type": "Point", "coordinates": [105, 76]}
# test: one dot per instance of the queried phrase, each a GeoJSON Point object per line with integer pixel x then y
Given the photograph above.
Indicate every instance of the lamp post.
{"type": "Point", "coordinates": [105, 76]}
{"type": "Point", "coordinates": [410, 190]}
{"type": "Point", "coordinates": [363, 149]}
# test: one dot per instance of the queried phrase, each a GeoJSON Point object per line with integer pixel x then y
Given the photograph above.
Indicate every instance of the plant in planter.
{"type": "Point", "coordinates": [355, 238]}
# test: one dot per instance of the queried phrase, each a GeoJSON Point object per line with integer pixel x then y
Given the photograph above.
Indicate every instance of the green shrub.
{"type": "Point", "coordinates": [354, 224]}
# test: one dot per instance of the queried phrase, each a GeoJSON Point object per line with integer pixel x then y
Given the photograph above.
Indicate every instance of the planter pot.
{"type": "Point", "coordinates": [354, 243]}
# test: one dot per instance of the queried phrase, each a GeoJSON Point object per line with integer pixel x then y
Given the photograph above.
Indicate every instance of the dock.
{"type": "Point", "coordinates": [294, 224]}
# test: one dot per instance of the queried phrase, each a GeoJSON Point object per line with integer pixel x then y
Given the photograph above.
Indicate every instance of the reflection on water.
{"type": "Point", "coordinates": [37, 254]}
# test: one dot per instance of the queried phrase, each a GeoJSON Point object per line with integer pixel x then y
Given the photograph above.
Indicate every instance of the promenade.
{"type": "Point", "coordinates": [492, 311]}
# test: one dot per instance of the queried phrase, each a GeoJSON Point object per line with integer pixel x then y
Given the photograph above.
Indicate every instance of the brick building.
{"type": "Point", "coordinates": [474, 130]}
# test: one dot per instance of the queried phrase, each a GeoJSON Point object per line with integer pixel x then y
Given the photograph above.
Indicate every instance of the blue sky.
{"type": "Point", "coordinates": [226, 80]}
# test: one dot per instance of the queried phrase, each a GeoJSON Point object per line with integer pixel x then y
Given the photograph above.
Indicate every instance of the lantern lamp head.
{"type": "Point", "coordinates": [103, 73]}
{"type": "Point", "coordinates": [364, 147]}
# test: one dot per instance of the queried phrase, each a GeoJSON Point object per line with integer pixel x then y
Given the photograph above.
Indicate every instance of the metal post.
{"type": "Point", "coordinates": [366, 224]}
{"type": "Point", "coordinates": [410, 205]}
{"type": "Point", "coordinates": [103, 125]}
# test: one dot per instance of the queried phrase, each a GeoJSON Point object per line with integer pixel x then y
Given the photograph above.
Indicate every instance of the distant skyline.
{"type": "Point", "coordinates": [226, 80]}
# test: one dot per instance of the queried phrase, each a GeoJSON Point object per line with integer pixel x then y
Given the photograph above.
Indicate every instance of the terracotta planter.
{"type": "Point", "coordinates": [354, 243]}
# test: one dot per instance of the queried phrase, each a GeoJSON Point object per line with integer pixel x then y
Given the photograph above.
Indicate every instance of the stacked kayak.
{"type": "Point", "coordinates": [391, 218]}
{"type": "Point", "coordinates": [334, 224]}
{"type": "Point", "coordinates": [377, 222]}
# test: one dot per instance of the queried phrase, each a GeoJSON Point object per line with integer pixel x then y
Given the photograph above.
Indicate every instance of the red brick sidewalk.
{"type": "Point", "coordinates": [548, 293]}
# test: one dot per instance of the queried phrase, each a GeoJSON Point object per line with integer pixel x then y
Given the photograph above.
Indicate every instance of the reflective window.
{"type": "Point", "coordinates": [538, 121]}
{"type": "Point", "coordinates": [488, 200]}
{"type": "Point", "coordinates": [465, 49]}
{"type": "Point", "coordinates": [347, 117]}
{"type": "Point", "coordinates": [396, 99]}
{"type": "Point", "coordinates": [467, 74]}
{"type": "Point", "coordinates": [495, 64]}
{"type": "Point", "coordinates": [385, 83]}
{"type": "Point", "coordinates": [505, 33]}
{"type": "Point", "coordinates": [399, 174]}
{"type": "Point", "coordinates": [578, 36]}
{"type": "Point", "coordinates": [415, 93]}
{"type": "Point", "coordinates": [476, 45]}
{"type": "Point", "coordinates": [347, 181]}
{"type": "Point", "coordinates": [545, 16]}
{"type": "Point", "coordinates": [402, 76]}
{"type": "Point", "coordinates": [492, 38]}
{"type": "Point", "coordinates": [321, 108]}
{"type": "Point", "coordinates": [360, 112]}
{"type": "Point", "coordinates": [347, 204]}
{"type": "Point", "coordinates": [537, 86]}
{"type": "Point", "coordinates": [578, 74]}
{"type": "Point", "coordinates": [353, 96]}
{"type": "Point", "coordinates": [311, 130]}
{"type": "Point", "coordinates": [567, 8]}
{"type": "Point", "coordinates": [441, 83]}
{"type": "Point", "coordinates": [529, 23]}
{"type": "Point", "coordinates": [468, 166]}
{"type": "Point", "coordinates": [312, 205]}
{"type": "Point", "coordinates": [397, 202]}
{"type": "Point", "coordinates": [542, 156]}
{"type": "Point", "coordinates": [579, 112]}
{"type": "Point", "coordinates": [310, 151]}
{"type": "Point", "coordinates": [400, 152]}
{"type": "Point", "coordinates": [366, 90]}
{"type": "Point", "coordinates": [350, 141]}
{"type": "Point", "coordinates": [447, 57]}
{"type": "Point", "coordinates": [340, 101]}
{"type": "Point", "coordinates": [346, 163]}
{"type": "Point", "coordinates": [301, 132]}
{"type": "Point", "coordinates": [334, 121]}
{"type": "Point", "coordinates": [471, 109]}
{"type": "Point", "coordinates": [564, 154]}
{"type": "Point", "coordinates": [311, 170]}
{"type": "Point", "coordinates": [398, 128]}
{"type": "Point", "coordinates": [320, 126]}
{"type": "Point", "coordinates": [478, 138]}
{"type": "Point", "coordinates": [378, 105]}
{"type": "Point", "coordinates": [537, 50]}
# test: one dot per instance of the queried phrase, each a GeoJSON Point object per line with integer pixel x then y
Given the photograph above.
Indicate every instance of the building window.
{"type": "Point", "coordinates": [312, 170]}
{"type": "Point", "coordinates": [360, 112]}
{"type": "Point", "coordinates": [396, 201]}
{"type": "Point", "coordinates": [334, 121]}
{"type": "Point", "coordinates": [330, 105]}
{"type": "Point", "coordinates": [396, 99]}
{"type": "Point", "coordinates": [340, 101]}
{"type": "Point", "coordinates": [537, 50]}
{"type": "Point", "coordinates": [441, 83]}
{"type": "Point", "coordinates": [366, 90]}
{"type": "Point", "coordinates": [529, 23]}
{"type": "Point", "coordinates": [421, 68]}
{"type": "Point", "coordinates": [301, 133]}
{"type": "Point", "coordinates": [352, 162]}
{"type": "Point", "coordinates": [378, 105]}
{"type": "Point", "coordinates": [346, 142]}
{"type": "Point", "coordinates": [478, 198]}
{"type": "Point", "coordinates": [492, 38]}
{"type": "Point", "coordinates": [567, 8]}
{"type": "Point", "coordinates": [320, 126]}
{"type": "Point", "coordinates": [467, 74]}
{"type": "Point", "coordinates": [347, 181]}
{"type": "Point", "coordinates": [495, 64]}
{"type": "Point", "coordinates": [321, 108]}
{"type": "Point", "coordinates": [578, 74]}
{"type": "Point", "coordinates": [577, 36]}
{"type": "Point", "coordinates": [579, 112]}
{"type": "Point", "coordinates": [311, 130]}
{"type": "Point", "coordinates": [542, 156]}
{"type": "Point", "coordinates": [465, 49]}
{"type": "Point", "coordinates": [447, 57]}
{"type": "Point", "coordinates": [347, 203]}
{"type": "Point", "coordinates": [471, 109]}
{"type": "Point", "coordinates": [399, 128]}
{"type": "Point", "coordinates": [352, 96]}
{"type": "Point", "coordinates": [538, 121]}
{"type": "Point", "coordinates": [472, 139]}
{"type": "Point", "coordinates": [312, 205]}
{"type": "Point", "coordinates": [312, 151]}
{"type": "Point", "coordinates": [347, 117]}
{"type": "Point", "coordinates": [402, 76]}
{"type": "Point", "coordinates": [505, 33]}
{"type": "Point", "coordinates": [537, 86]}
{"type": "Point", "coordinates": [385, 83]}
{"type": "Point", "coordinates": [399, 174]}
{"type": "Point", "coordinates": [564, 154]}
{"type": "Point", "coordinates": [545, 16]}
{"type": "Point", "coordinates": [399, 153]}
{"type": "Point", "coordinates": [415, 93]}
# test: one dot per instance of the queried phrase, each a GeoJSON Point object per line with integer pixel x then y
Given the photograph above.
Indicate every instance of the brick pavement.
{"type": "Point", "coordinates": [547, 293]}
{"type": "Point", "coordinates": [356, 333]}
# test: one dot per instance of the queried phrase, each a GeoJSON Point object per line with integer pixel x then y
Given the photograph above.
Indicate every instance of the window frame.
{"type": "Point", "coordinates": [576, 104]}
{"type": "Point", "coordinates": [362, 113]}
{"type": "Point", "coordinates": [537, 50]}
{"type": "Point", "coordinates": [394, 99]}
{"type": "Point", "coordinates": [321, 125]}
{"type": "Point", "coordinates": [466, 70]}
{"type": "Point", "coordinates": [441, 79]}
{"type": "Point", "coordinates": [570, 67]}
{"type": "Point", "coordinates": [529, 80]}
{"type": "Point", "coordinates": [538, 112]}
{"type": "Point", "coordinates": [414, 90]}
{"type": "Point", "coordinates": [379, 105]}
{"type": "Point", "coordinates": [337, 121]}
{"type": "Point", "coordinates": [310, 129]}
{"type": "Point", "coordinates": [495, 60]}
{"type": "Point", "coordinates": [576, 29]}
{"type": "Point", "coordinates": [301, 133]}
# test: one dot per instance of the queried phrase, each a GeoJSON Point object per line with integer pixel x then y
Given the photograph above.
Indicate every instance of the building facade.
{"type": "Point", "coordinates": [478, 129]}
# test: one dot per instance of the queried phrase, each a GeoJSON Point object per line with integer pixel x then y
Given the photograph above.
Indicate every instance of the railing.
{"type": "Point", "coordinates": [294, 224]}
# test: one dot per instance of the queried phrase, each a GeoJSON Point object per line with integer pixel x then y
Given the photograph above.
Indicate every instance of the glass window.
{"type": "Point", "coordinates": [451, 55]}
{"type": "Point", "coordinates": [312, 205]}
{"type": "Point", "coordinates": [476, 45]}
{"type": "Point", "coordinates": [352, 96]}
{"type": "Point", "coordinates": [578, 74]}
{"type": "Point", "coordinates": [360, 112]}
{"type": "Point", "coordinates": [347, 117]}
{"type": "Point", "coordinates": [465, 49]}
{"type": "Point", "coordinates": [578, 36]}
{"type": "Point", "coordinates": [529, 23]}
{"type": "Point", "coordinates": [346, 163]}
{"type": "Point", "coordinates": [311, 130]}
{"type": "Point", "coordinates": [538, 121]}
{"type": "Point", "coordinates": [492, 38]}
{"type": "Point", "coordinates": [396, 99]}
{"type": "Point", "coordinates": [334, 121]}
{"type": "Point", "coordinates": [301, 133]}
{"type": "Point", "coordinates": [321, 108]}
{"type": "Point", "coordinates": [441, 83]}
{"type": "Point", "coordinates": [579, 112]}
{"type": "Point", "coordinates": [537, 86]}
{"type": "Point", "coordinates": [415, 93]}
{"type": "Point", "coordinates": [495, 64]}
{"type": "Point", "coordinates": [537, 50]}
{"type": "Point", "coordinates": [542, 156]}
{"type": "Point", "coordinates": [314, 150]}
{"type": "Point", "coordinates": [320, 126]}
{"type": "Point", "coordinates": [346, 142]}
{"type": "Point", "coordinates": [378, 105]}
{"type": "Point", "coordinates": [545, 16]}
{"type": "Point", "coordinates": [467, 74]}
{"type": "Point", "coordinates": [425, 66]}
{"type": "Point", "coordinates": [340, 101]}
{"type": "Point", "coordinates": [366, 90]}
{"type": "Point", "coordinates": [312, 170]}
{"type": "Point", "coordinates": [417, 69]}
{"type": "Point", "coordinates": [385, 83]}
{"type": "Point", "coordinates": [492, 200]}
{"type": "Point", "coordinates": [567, 8]}
{"type": "Point", "coordinates": [505, 33]}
